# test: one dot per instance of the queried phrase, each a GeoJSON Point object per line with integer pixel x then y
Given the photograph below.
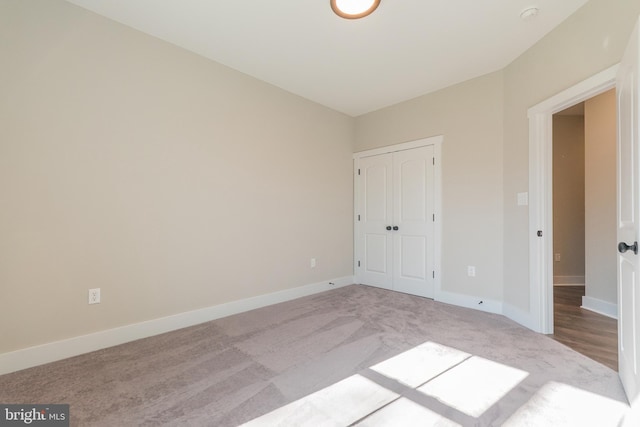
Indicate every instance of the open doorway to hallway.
{"type": "Point", "coordinates": [587, 332]}
{"type": "Point", "coordinates": [584, 224]}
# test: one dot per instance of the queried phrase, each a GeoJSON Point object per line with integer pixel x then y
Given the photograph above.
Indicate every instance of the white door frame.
{"type": "Point", "coordinates": [541, 192]}
{"type": "Point", "coordinates": [436, 141]}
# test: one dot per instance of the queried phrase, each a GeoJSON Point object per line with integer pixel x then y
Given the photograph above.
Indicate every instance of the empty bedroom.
{"type": "Point", "coordinates": [300, 213]}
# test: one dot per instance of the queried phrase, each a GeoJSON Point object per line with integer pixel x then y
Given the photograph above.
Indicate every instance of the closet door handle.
{"type": "Point", "coordinates": [395, 227]}
{"type": "Point", "coordinates": [389, 227]}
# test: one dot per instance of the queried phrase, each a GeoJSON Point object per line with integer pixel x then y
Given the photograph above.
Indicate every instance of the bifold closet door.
{"type": "Point", "coordinates": [395, 208]}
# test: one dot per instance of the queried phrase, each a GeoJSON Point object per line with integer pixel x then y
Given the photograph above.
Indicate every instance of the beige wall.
{"type": "Point", "coordinates": [600, 200]}
{"type": "Point", "coordinates": [589, 41]}
{"type": "Point", "coordinates": [469, 115]}
{"type": "Point", "coordinates": [167, 180]}
{"type": "Point", "coordinates": [568, 198]}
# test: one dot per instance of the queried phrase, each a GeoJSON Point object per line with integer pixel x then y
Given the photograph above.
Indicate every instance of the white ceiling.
{"type": "Point", "coordinates": [407, 48]}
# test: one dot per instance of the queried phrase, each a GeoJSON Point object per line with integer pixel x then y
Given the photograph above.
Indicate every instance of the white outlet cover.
{"type": "Point", "coordinates": [94, 296]}
{"type": "Point", "coordinates": [471, 271]}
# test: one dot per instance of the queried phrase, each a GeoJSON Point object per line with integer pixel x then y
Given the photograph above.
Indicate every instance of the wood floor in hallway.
{"type": "Point", "coordinates": [592, 334]}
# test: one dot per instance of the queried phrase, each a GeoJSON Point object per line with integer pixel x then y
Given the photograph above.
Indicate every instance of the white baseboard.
{"type": "Point", "coordinates": [478, 303]}
{"type": "Point", "coordinates": [51, 352]}
{"type": "Point", "coordinates": [519, 316]}
{"type": "Point", "coordinates": [568, 281]}
{"type": "Point", "coordinates": [601, 307]}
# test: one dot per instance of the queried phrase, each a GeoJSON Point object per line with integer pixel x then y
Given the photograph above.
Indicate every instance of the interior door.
{"type": "Point", "coordinates": [628, 219]}
{"type": "Point", "coordinates": [376, 215]}
{"type": "Point", "coordinates": [413, 230]}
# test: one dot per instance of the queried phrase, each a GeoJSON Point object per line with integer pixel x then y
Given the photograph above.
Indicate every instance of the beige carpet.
{"type": "Point", "coordinates": [355, 355]}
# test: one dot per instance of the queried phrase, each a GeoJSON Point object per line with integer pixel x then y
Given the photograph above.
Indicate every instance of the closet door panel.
{"type": "Point", "coordinates": [376, 215]}
{"type": "Point", "coordinates": [413, 215]}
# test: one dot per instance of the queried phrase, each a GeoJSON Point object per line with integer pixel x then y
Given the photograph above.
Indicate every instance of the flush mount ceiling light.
{"type": "Point", "coordinates": [529, 13]}
{"type": "Point", "coordinates": [354, 9]}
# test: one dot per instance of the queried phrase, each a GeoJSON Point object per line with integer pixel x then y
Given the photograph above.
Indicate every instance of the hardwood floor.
{"type": "Point", "coordinates": [592, 334]}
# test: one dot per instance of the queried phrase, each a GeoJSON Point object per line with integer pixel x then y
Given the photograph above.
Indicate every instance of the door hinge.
{"type": "Point", "coordinates": [434, 161]}
{"type": "Point", "coordinates": [358, 217]}
{"type": "Point", "coordinates": [434, 274]}
{"type": "Point", "coordinates": [358, 263]}
{"type": "Point", "coordinates": [434, 217]}
{"type": "Point", "coordinates": [358, 171]}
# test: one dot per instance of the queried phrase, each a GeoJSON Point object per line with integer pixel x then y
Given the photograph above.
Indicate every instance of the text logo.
{"type": "Point", "coordinates": [34, 415]}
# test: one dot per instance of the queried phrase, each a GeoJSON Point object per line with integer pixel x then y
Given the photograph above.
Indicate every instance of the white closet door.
{"type": "Point", "coordinates": [376, 214]}
{"type": "Point", "coordinates": [413, 205]}
{"type": "Point", "coordinates": [396, 201]}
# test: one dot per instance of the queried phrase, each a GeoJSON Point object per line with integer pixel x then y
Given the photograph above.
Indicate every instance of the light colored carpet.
{"type": "Point", "coordinates": [406, 355]}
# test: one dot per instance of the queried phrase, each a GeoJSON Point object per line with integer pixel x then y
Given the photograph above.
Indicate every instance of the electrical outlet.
{"type": "Point", "coordinates": [94, 296]}
{"type": "Point", "coordinates": [471, 271]}
{"type": "Point", "coordinates": [556, 257]}
{"type": "Point", "coordinates": [313, 263]}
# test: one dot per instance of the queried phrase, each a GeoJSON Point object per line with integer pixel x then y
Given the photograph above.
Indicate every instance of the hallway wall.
{"type": "Point", "coordinates": [568, 199]}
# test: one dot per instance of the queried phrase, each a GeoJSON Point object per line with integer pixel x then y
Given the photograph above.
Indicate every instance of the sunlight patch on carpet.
{"type": "Point", "coordinates": [469, 384]}
{"type": "Point", "coordinates": [474, 386]}
{"type": "Point", "coordinates": [559, 405]}
{"type": "Point", "coordinates": [406, 413]}
{"type": "Point", "coordinates": [340, 404]}
{"type": "Point", "coordinates": [420, 364]}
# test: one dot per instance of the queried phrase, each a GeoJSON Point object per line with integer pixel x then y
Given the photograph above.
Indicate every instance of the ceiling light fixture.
{"type": "Point", "coordinates": [354, 9]}
{"type": "Point", "coordinates": [529, 13]}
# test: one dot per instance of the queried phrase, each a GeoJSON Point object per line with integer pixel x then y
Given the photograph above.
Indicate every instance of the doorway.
{"type": "Point", "coordinates": [541, 193]}
{"type": "Point", "coordinates": [584, 228]}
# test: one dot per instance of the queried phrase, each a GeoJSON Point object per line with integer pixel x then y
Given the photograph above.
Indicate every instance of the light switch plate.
{"type": "Point", "coordinates": [523, 199]}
